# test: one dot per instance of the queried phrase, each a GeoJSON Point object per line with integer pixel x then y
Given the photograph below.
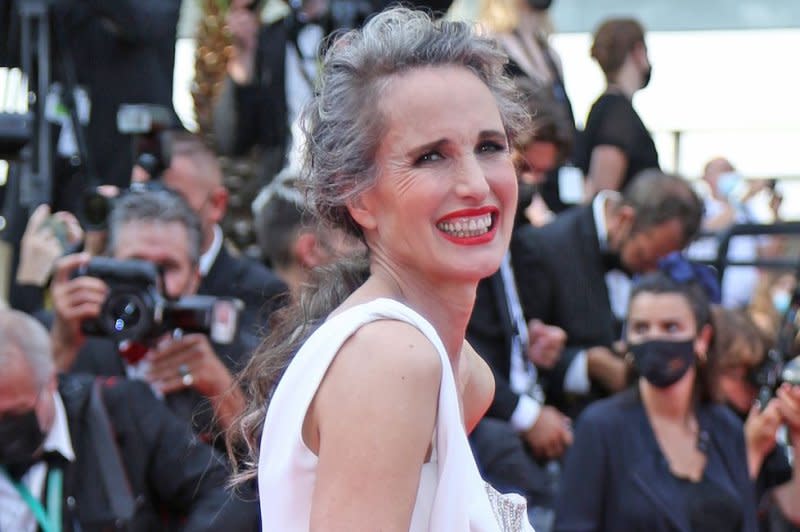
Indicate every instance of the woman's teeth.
{"type": "Point", "coordinates": [467, 227]}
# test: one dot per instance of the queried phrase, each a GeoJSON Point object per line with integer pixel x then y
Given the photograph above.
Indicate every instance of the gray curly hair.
{"type": "Point", "coordinates": [342, 124]}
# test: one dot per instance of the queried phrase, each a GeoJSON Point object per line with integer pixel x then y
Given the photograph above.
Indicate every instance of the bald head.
{"type": "Point", "coordinates": [715, 168]}
{"type": "Point", "coordinates": [21, 336]}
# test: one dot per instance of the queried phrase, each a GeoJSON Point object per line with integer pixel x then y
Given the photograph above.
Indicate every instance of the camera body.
{"type": "Point", "coordinates": [773, 371]}
{"type": "Point", "coordinates": [135, 309]}
{"type": "Point", "coordinates": [150, 129]}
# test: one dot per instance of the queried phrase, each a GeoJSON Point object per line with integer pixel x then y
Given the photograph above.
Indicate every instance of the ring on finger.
{"type": "Point", "coordinates": [186, 375]}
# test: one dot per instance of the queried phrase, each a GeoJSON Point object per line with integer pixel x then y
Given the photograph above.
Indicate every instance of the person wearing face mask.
{"type": "Point", "coordinates": [61, 439]}
{"type": "Point", "coordinates": [741, 349]}
{"type": "Point", "coordinates": [616, 145]}
{"type": "Point", "coordinates": [663, 455]}
{"type": "Point", "coordinates": [725, 205]}
{"type": "Point", "coordinates": [575, 273]}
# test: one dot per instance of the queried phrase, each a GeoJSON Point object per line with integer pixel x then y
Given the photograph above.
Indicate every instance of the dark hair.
{"type": "Point", "coordinates": [613, 41]}
{"type": "Point", "coordinates": [343, 129]}
{"type": "Point", "coordinates": [737, 339]}
{"type": "Point", "coordinates": [280, 215]}
{"type": "Point", "coordinates": [657, 198]}
{"type": "Point", "coordinates": [705, 384]}
{"type": "Point", "coordinates": [155, 206]}
{"type": "Point", "coordinates": [549, 121]}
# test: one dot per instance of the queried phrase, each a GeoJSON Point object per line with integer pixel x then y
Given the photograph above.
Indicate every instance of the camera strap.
{"type": "Point", "coordinates": [115, 480]}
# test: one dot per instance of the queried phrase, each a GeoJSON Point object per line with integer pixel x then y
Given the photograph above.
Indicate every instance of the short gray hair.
{"type": "Point", "coordinates": [342, 123]}
{"type": "Point", "coordinates": [155, 206]}
{"type": "Point", "coordinates": [22, 331]}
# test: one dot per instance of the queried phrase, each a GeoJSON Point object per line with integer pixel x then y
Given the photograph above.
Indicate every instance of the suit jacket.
{"type": "Point", "coordinates": [490, 331]}
{"type": "Point", "coordinates": [561, 279]}
{"type": "Point", "coordinates": [616, 478]}
{"type": "Point", "coordinates": [168, 469]}
{"type": "Point", "coordinates": [260, 290]}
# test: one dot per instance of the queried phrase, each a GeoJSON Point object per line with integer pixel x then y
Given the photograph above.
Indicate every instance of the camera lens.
{"type": "Point", "coordinates": [126, 316]}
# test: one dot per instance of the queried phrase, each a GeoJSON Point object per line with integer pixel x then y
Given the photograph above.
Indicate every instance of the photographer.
{"type": "Point", "coordinates": [193, 171]}
{"type": "Point", "coordinates": [69, 433]}
{"type": "Point", "coordinates": [740, 349]}
{"type": "Point", "coordinates": [114, 52]}
{"type": "Point", "coordinates": [159, 227]}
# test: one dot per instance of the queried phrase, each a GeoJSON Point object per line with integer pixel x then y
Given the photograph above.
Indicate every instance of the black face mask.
{"type": "Point", "coordinates": [540, 5]}
{"type": "Point", "coordinates": [647, 75]}
{"type": "Point", "coordinates": [20, 438]}
{"type": "Point", "coordinates": [663, 362]}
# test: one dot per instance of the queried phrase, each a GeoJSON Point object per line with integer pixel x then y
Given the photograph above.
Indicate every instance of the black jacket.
{"type": "Point", "coordinates": [261, 291]}
{"type": "Point", "coordinates": [616, 478]}
{"type": "Point", "coordinates": [560, 274]}
{"type": "Point", "coordinates": [169, 471]}
{"type": "Point", "coordinates": [490, 331]}
{"type": "Point", "coordinates": [256, 114]}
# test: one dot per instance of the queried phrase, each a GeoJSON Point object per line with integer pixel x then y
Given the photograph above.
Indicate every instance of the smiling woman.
{"type": "Point", "coordinates": [369, 381]}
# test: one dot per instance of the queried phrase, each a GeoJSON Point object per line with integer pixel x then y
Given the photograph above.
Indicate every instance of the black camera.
{"type": "Point", "coordinates": [136, 310]}
{"type": "Point", "coordinates": [150, 128]}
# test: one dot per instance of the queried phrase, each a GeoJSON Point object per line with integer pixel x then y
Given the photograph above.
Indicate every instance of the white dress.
{"type": "Point", "coordinates": [451, 494]}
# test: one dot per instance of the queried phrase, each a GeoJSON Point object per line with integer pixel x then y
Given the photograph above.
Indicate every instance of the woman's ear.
{"type": "Point", "coordinates": [703, 342]}
{"type": "Point", "coordinates": [362, 211]}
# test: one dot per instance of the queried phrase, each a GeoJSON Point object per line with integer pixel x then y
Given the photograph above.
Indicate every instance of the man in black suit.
{"type": "Point", "coordinates": [194, 374]}
{"type": "Point", "coordinates": [574, 273]}
{"type": "Point", "coordinates": [194, 172]}
{"type": "Point", "coordinates": [117, 457]}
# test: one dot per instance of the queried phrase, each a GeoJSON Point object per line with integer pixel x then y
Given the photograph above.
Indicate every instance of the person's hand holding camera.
{"type": "Point", "coordinates": [546, 343]}
{"type": "Point", "coordinates": [550, 436]}
{"type": "Point", "coordinates": [243, 25]}
{"type": "Point", "coordinates": [178, 362]}
{"type": "Point", "coordinates": [75, 299]}
{"type": "Point", "coordinates": [788, 398]}
{"type": "Point", "coordinates": [44, 242]}
{"type": "Point", "coordinates": [759, 431]}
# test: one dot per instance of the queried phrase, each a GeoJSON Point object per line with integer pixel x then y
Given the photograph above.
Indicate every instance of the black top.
{"type": "Point", "coordinates": [613, 121]}
{"type": "Point", "coordinates": [711, 507]}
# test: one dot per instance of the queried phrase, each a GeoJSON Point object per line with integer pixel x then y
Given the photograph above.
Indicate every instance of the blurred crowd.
{"type": "Point", "coordinates": [129, 313]}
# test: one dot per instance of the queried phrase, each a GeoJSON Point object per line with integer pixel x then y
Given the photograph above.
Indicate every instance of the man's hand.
{"type": "Point", "coordinates": [546, 343]}
{"type": "Point", "coordinates": [174, 358]}
{"type": "Point", "coordinates": [74, 300]}
{"type": "Point", "coordinates": [550, 436]}
{"type": "Point", "coordinates": [190, 362]}
{"type": "Point", "coordinates": [759, 433]}
{"type": "Point", "coordinates": [40, 247]}
{"type": "Point", "coordinates": [607, 368]}
{"type": "Point", "coordinates": [243, 25]}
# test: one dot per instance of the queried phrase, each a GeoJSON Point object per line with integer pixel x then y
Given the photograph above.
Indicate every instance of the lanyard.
{"type": "Point", "coordinates": [49, 522]}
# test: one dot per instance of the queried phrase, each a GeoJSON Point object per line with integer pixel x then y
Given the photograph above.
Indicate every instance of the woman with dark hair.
{"type": "Point", "coordinates": [363, 394]}
{"type": "Point", "coordinates": [663, 455]}
{"type": "Point", "coordinates": [615, 144]}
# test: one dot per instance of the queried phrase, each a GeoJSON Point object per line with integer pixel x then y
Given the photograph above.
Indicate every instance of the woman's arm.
{"type": "Point", "coordinates": [606, 169]}
{"type": "Point", "coordinates": [371, 424]}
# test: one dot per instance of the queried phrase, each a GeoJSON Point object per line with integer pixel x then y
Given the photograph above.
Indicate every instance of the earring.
{"type": "Point", "coordinates": [702, 357]}
{"type": "Point", "coordinates": [628, 358]}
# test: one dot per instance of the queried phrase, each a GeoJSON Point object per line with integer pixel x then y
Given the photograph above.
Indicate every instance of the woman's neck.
{"type": "Point", "coordinates": [626, 81]}
{"type": "Point", "coordinates": [673, 403]}
{"type": "Point", "coordinates": [447, 306]}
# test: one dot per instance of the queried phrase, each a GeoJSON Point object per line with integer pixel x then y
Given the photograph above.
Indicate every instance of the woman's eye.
{"type": "Point", "coordinates": [429, 157]}
{"type": "Point", "coordinates": [491, 146]}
